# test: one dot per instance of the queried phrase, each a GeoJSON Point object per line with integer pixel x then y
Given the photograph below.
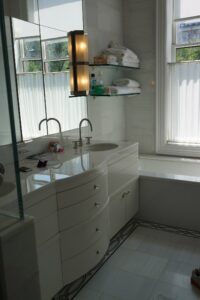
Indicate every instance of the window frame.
{"type": "Point", "coordinates": [164, 57]}
{"type": "Point", "coordinates": [46, 60]}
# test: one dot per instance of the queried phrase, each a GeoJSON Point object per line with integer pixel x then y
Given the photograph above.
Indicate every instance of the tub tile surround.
{"type": "Point", "coordinates": [169, 191]}
{"type": "Point", "coordinates": [140, 269]}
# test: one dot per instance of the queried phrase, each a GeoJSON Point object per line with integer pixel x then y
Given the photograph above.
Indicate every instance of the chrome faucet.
{"type": "Point", "coordinates": [56, 120]}
{"type": "Point", "coordinates": [59, 125]}
{"type": "Point", "coordinates": [80, 133]}
{"type": "Point", "coordinates": [39, 126]}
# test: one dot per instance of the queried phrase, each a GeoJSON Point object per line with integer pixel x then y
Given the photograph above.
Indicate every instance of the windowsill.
{"type": "Point", "coordinates": [178, 150]}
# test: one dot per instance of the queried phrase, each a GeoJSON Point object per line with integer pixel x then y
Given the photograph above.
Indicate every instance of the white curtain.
{"type": "Point", "coordinates": [69, 111]}
{"type": "Point", "coordinates": [184, 109]}
{"type": "Point", "coordinates": [31, 103]}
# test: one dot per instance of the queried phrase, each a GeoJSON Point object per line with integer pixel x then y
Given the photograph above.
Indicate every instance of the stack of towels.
{"type": "Point", "coordinates": [124, 86]}
{"type": "Point", "coordinates": [120, 55]}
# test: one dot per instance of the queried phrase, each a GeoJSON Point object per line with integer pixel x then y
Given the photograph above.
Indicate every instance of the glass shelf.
{"type": "Point", "coordinates": [117, 95]}
{"type": "Point", "coordinates": [114, 66]}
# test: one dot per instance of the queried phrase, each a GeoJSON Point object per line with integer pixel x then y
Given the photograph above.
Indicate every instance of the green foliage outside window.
{"type": "Point", "coordinates": [33, 66]}
{"type": "Point", "coordinates": [56, 49]}
{"type": "Point", "coordinates": [188, 54]}
{"type": "Point", "coordinates": [58, 66]}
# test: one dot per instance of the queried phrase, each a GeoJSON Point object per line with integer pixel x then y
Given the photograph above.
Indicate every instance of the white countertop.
{"type": "Point", "coordinates": [66, 166]}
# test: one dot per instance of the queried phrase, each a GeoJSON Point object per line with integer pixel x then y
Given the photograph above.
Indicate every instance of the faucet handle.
{"type": "Point", "coordinates": [88, 138]}
{"type": "Point", "coordinates": [75, 144]}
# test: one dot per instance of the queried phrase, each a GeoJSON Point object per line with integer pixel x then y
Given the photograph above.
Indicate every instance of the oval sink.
{"type": "Point", "coordinates": [6, 188]}
{"type": "Point", "coordinates": [102, 146]}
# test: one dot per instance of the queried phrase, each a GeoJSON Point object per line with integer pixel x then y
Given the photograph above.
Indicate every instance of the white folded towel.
{"type": "Point", "coordinates": [126, 82]}
{"type": "Point", "coordinates": [120, 53]}
{"type": "Point", "coordinates": [111, 59]}
{"type": "Point", "coordinates": [122, 90]}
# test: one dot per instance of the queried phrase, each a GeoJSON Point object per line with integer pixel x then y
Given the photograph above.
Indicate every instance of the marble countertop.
{"type": "Point", "coordinates": [68, 165]}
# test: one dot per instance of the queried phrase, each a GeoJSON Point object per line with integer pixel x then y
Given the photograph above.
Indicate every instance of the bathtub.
{"type": "Point", "coordinates": [170, 191]}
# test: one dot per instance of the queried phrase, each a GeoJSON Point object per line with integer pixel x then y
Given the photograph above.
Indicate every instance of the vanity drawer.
{"type": "Point", "coordinates": [76, 240]}
{"type": "Point", "coordinates": [80, 264]}
{"type": "Point", "coordinates": [73, 215]}
{"type": "Point", "coordinates": [80, 193]}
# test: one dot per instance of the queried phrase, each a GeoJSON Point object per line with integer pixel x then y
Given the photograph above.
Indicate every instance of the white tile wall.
{"type": "Point", "coordinates": [139, 35]}
{"type": "Point", "coordinates": [103, 22]}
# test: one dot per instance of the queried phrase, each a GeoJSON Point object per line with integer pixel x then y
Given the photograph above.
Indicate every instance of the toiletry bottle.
{"type": "Point", "coordinates": [92, 83]}
{"type": "Point", "coordinates": [99, 88]}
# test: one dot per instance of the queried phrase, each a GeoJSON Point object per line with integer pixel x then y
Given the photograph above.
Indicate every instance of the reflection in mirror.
{"type": "Point", "coordinates": [69, 111]}
{"type": "Point", "coordinates": [64, 15]}
{"type": "Point", "coordinates": [26, 10]}
{"type": "Point", "coordinates": [28, 61]}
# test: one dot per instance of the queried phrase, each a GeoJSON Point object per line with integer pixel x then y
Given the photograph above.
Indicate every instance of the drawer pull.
{"type": "Point", "coordinates": [125, 194]}
{"type": "Point", "coordinates": [96, 187]}
{"type": "Point", "coordinates": [97, 229]}
{"type": "Point", "coordinates": [97, 252]}
{"type": "Point", "coordinates": [96, 204]}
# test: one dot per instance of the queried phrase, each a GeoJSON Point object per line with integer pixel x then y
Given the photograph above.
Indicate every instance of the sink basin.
{"type": "Point", "coordinates": [102, 146]}
{"type": "Point", "coordinates": [6, 188]}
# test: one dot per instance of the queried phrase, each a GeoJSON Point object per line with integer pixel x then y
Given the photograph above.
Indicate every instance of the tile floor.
{"type": "Point", "coordinates": [151, 264]}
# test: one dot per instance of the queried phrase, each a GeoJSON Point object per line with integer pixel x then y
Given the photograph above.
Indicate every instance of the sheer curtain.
{"type": "Point", "coordinates": [184, 124]}
{"type": "Point", "coordinates": [69, 111]}
{"type": "Point", "coordinates": [31, 103]}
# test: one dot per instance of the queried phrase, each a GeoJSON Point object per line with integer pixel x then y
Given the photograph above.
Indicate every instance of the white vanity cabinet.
{"type": "Point", "coordinates": [123, 188]}
{"type": "Point", "coordinates": [43, 207]}
{"type": "Point", "coordinates": [83, 225]}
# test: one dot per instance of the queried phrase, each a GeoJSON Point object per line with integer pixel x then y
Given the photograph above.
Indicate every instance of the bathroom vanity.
{"type": "Point", "coordinates": [78, 205]}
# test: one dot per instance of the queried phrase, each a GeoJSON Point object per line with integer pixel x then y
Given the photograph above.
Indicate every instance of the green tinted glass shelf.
{"type": "Point", "coordinates": [117, 95]}
{"type": "Point", "coordinates": [114, 66]}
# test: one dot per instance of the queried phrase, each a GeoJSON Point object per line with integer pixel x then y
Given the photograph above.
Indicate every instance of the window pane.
{"type": "Point", "coordinates": [32, 48]}
{"type": "Point", "coordinates": [57, 66]}
{"type": "Point", "coordinates": [56, 49]}
{"type": "Point", "coordinates": [32, 66]}
{"type": "Point", "coordinates": [188, 32]}
{"type": "Point", "coordinates": [188, 54]}
{"type": "Point", "coordinates": [187, 8]}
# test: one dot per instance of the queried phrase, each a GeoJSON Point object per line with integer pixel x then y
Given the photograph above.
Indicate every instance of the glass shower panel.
{"type": "Point", "coordinates": [11, 208]}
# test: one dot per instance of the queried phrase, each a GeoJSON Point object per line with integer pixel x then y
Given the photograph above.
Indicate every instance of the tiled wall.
{"type": "Point", "coordinates": [103, 22]}
{"type": "Point", "coordinates": [139, 35]}
{"type": "Point", "coordinates": [131, 22]}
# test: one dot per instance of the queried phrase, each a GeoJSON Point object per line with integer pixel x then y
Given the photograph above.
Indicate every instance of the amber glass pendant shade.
{"type": "Point", "coordinates": [79, 65]}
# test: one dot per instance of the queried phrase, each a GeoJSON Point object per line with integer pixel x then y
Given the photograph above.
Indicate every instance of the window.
{"type": "Point", "coordinates": [55, 55]}
{"type": "Point", "coordinates": [56, 58]}
{"type": "Point", "coordinates": [178, 77]}
{"type": "Point", "coordinates": [29, 49]}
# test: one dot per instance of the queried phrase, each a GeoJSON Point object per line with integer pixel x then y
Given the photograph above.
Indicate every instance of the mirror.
{"type": "Point", "coordinates": [42, 69]}
{"type": "Point", "coordinates": [30, 84]}
{"type": "Point", "coordinates": [59, 105]}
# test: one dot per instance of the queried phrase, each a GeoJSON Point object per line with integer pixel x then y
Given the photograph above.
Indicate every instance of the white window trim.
{"type": "Point", "coordinates": [163, 88]}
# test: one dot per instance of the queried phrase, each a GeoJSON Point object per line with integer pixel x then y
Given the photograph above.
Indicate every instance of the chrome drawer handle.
{"type": "Point", "coordinates": [96, 204]}
{"type": "Point", "coordinates": [96, 187]}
